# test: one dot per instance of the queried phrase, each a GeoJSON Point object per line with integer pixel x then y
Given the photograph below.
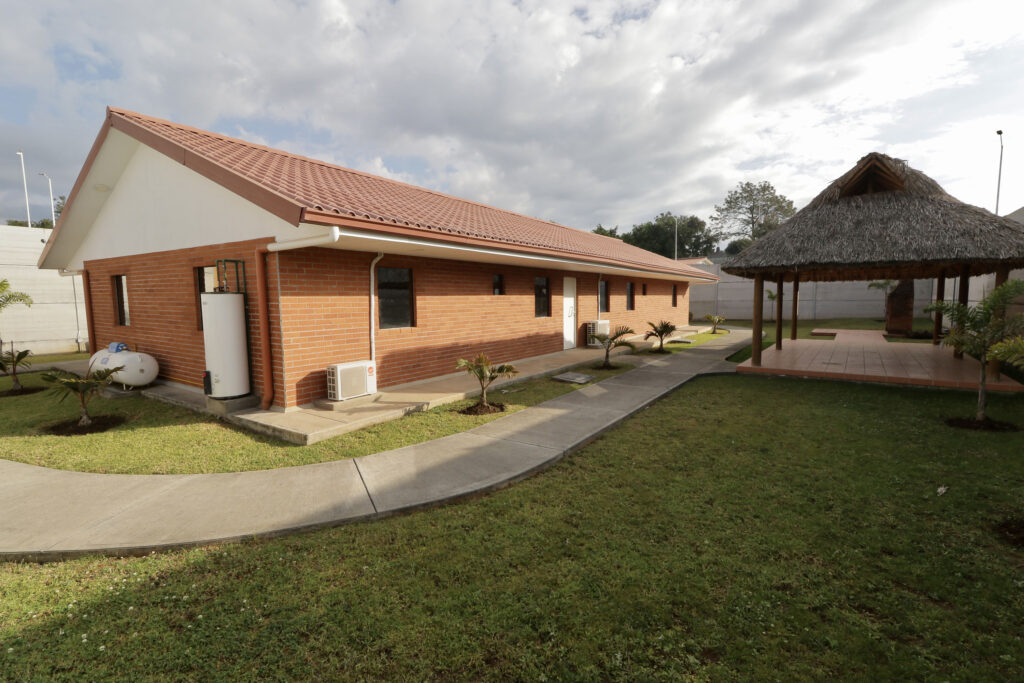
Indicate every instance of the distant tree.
{"type": "Point", "coordinates": [613, 232]}
{"type": "Point", "coordinates": [659, 236]}
{"type": "Point", "coordinates": [58, 208]}
{"type": "Point", "coordinates": [736, 246]}
{"type": "Point", "coordinates": [751, 210]}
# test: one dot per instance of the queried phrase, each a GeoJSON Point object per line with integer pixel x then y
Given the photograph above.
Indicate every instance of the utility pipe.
{"type": "Point", "coordinates": [317, 241]}
{"type": "Point", "coordinates": [263, 307]}
{"type": "Point", "coordinates": [373, 306]}
{"type": "Point", "coordinates": [74, 295]}
{"type": "Point", "coordinates": [598, 297]}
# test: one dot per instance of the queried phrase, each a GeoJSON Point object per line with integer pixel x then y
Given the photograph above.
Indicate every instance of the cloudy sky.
{"type": "Point", "coordinates": [579, 112]}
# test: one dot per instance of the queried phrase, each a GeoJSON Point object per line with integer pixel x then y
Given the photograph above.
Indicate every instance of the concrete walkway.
{"type": "Point", "coordinates": [54, 514]}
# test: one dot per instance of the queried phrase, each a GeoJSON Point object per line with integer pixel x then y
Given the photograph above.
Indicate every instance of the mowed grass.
{"type": "Point", "coordinates": [805, 327]}
{"type": "Point", "coordinates": [163, 439]}
{"type": "Point", "coordinates": [744, 528]}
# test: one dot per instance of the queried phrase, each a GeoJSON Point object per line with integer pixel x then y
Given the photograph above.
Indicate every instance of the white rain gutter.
{"type": "Point", "coordinates": [317, 241]}
{"type": "Point", "coordinates": [373, 307]}
{"type": "Point", "coordinates": [394, 239]}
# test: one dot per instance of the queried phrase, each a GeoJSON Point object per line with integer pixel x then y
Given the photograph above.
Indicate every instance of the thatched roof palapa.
{"type": "Point", "coordinates": [883, 219]}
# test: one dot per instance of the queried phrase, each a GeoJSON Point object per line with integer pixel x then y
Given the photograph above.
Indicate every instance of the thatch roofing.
{"type": "Point", "coordinates": [883, 219]}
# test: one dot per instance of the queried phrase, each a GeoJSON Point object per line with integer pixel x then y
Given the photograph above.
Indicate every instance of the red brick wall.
{"type": "Point", "coordinates": [163, 316]}
{"type": "Point", "coordinates": [319, 312]}
{"type": "Point", "coordinates": [326, 319]}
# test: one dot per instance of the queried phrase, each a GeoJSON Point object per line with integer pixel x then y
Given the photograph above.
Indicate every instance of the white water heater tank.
{"type": "Point", "coordinates": [227, 352]}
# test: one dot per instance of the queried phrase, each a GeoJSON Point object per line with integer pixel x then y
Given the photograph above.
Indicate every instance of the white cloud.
{"type": "Point", "coordinates": [605, 112]}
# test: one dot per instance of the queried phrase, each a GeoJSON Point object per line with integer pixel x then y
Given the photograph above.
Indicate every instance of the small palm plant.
{"type": "Point", "coordinates": [83, 387]}
{"type": "Point", "coordinates": [10, 361]}
{"type": "Point", "coordinates": [662, 331]}
{"type": "Point", "coordinates": [978, 330]}
{"type": "Point", "coordinates": [614, 340]}
{"type": "Point", "coordinates": [485, 373]}
{"type": "Point", "coordinates": [715, 321]}
{"type": "Point", "coordinates": [9, 298]}
{"type": "Point", "coordinates": [772, 296]}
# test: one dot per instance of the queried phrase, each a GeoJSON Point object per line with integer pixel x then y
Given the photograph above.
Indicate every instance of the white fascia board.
{"type": "Point", "coordinates": [366, 240]}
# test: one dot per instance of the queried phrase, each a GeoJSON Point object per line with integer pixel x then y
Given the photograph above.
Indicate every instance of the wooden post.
{"type": "Point", "coordinates": [963, 296]}
{"type": "Point", "coordinates": [795, 305]}
{"type": "Point", "coordinates": [940, 295]}
{"type": "Point", "coordinates": [1002, 275]}
{"type": "Point", "coordinates": [755, 349]}
{"type": "Point", "coordinates": [778, 311]}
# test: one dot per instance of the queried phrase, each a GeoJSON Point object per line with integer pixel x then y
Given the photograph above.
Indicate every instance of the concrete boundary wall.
{"type": "Point", "coordinates": [50, 325]}
{"type": "Point", "coordinates": [733, 297]}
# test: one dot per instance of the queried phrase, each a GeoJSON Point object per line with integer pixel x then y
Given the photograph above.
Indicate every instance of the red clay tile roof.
{"type": "Point", "coordinates": [320, 191]}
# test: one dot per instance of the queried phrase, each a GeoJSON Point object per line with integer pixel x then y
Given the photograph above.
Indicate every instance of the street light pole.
{"type": "Point", "coordinates": [999, 182]}
{"type": "Point", "coordinates": [53, 211]}
{"type": "Point", "coordinates": [24, 181]}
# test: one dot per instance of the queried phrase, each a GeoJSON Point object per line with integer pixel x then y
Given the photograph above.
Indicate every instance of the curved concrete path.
{"type": "Point", "coordinates": [48, 514]}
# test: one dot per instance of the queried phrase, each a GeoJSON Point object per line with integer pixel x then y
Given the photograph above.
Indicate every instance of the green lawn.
{"type": "Point", "coordinates": [805, 327]}
{"type": "Point", "coordinates": [702, 539]}
{"type": "Point", "coordinates": [163, 439]}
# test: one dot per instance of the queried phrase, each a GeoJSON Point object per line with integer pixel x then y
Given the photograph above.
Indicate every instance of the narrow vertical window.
{"type": "Point", "coordinates": [394, 289]}
{"type": "Point", "coordinates": [643, 289]}
{"type": "Point", "coordinates": [541, 297]}
{"type": "Point", "coordinates": [602, 296]}
{"type": "Point", "coordinates": [206, 281]}
{"type": "Point", "coordinates": [630, 296]}
{"type": "Point", "coordinates": [675, 296]}
{"type": "Point", "coordinates": [120, 284]}
{"type": "Point", "coordinates": [498, 285]}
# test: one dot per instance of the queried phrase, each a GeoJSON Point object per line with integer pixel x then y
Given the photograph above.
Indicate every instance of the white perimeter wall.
{"type": "Point", "coordinates": [733, 297]}
{"type": "Point", "coordinates": [49, 326]}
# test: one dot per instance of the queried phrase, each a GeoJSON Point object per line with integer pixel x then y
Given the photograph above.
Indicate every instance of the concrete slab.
{"type": "Point", "coordinates": [447, 468]}
{"type": "Point", "coordinates": [620, 398]}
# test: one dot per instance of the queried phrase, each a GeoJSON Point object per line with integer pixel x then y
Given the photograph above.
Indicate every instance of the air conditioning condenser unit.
{"type": "Point", "coordinates": [349, 380]}
{"type": "Point", "coordinates": [597, 327]}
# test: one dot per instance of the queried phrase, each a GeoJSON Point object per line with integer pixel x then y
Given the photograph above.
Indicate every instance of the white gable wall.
{"type": "Point", "coordinates": [158, 205]}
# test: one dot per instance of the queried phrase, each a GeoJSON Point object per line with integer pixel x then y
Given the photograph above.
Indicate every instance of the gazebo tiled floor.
{"type": "Point", "coordinates": [865, 355]}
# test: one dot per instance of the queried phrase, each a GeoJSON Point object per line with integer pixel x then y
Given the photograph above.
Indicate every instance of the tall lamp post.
{"type": "Point", "coordinates": [999, 182]}
{"type": "Point", "coordinates": [24, 181]}
{"type": "Point", "coordinates": [53, 211]}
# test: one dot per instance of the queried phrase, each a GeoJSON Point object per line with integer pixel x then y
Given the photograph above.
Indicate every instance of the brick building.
{"type": "Point", "coordinates": [339, 265]}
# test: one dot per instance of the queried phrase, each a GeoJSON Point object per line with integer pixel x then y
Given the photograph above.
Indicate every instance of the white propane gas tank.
{"type": "Point", "coordinates": [139, 369]}
{"type": "Point", "coordinates": [224, 339]}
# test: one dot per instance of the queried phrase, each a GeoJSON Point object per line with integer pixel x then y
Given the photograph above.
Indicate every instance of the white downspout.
{"type": "Point", "coordinates": [598, 296]}
{"type": "Point", "coordinates": [74, 296]}
{"type": "Point", "coordinates": [373, 307]}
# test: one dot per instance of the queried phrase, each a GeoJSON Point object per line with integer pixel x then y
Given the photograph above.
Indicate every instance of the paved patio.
{"type": "Point", "coordinates": [865, 356]}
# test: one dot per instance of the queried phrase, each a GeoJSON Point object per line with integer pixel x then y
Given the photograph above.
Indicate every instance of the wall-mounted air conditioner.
{"type": "Point", "coordinates": [348, 380]}
{"type": "Point", "coordinates": [597, 327]}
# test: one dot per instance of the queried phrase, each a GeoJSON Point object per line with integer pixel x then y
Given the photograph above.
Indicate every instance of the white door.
{"type": "Point", "coordinates": [569, 313]}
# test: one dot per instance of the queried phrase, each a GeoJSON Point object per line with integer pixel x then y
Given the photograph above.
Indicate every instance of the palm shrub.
{"type": "Point", "coordinates": [83, 387]}
{"type": "Point", "coordinates": [614, 340]}
{"type": "Point", "coordinates": [662, 331]}
{"type": "Point", "coordinates": [10, 361]}
{"type": "Point", "coordinates": [978, 330]}
{"type": "Point", "coordinates": [485, 373]}
{"type": "Point", "coordinates": [715, 321]}
{"type": "Point", "coordinates": [9, 298]}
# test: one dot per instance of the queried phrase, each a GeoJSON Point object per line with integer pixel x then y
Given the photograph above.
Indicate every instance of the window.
{"type": "Point", "coordinates": [206, 281]}
{"type": "Point", "coordinates": [675, 297]}
{"type": "Point", "coordinates": [120, 286]}
{"type": "Point", "coordinates": [602, 297]}
{"type": "Point", "coordinates": [394, 289]}
{"type": "Point", "coordinates": [630, 296]}
{"type": "Point", "coordinates": [498, 285]}
{"type": "Point", "coordinates": [643, 289]}
{"type": "Point", "coordinates": [541, 297]}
